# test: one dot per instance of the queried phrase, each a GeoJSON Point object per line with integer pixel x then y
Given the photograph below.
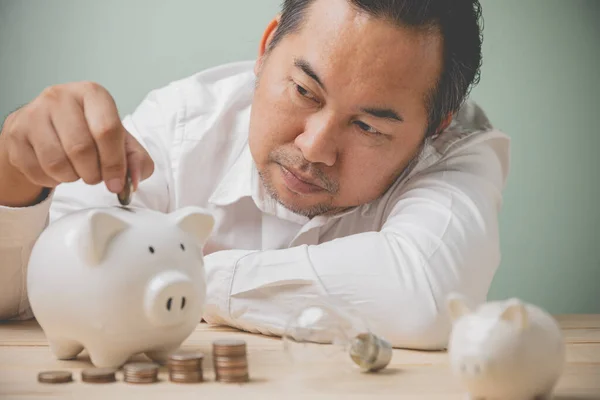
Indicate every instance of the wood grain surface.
{"type": "Point", "coordinates": [412, 374]}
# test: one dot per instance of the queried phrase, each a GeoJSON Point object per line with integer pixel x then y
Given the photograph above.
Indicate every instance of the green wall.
{"type": "Point", "coordinates": [540, 83]}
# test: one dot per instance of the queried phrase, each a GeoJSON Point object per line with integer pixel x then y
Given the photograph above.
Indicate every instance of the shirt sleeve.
{"type": "Point", "coordinates": [440, 235]}
{"type": "Point", "coordinates": [152, 124]}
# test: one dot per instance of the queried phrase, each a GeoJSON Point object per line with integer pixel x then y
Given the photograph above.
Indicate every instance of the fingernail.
{"type": "Point", "coordinates": [114, 185]}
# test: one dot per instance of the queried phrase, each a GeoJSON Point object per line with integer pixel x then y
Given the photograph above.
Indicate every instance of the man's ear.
{"type": "Point", "coordinates": [266, 40]}
{"type": "Point", "coordinates": [445, 124]}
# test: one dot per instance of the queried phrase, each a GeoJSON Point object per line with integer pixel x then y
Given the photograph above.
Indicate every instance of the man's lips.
{"type": "Point", "coordinates": [298, 183]}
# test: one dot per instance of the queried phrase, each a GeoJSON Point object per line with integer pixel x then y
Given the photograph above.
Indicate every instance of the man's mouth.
{"type": "Point", "coordinates": [300, 183]}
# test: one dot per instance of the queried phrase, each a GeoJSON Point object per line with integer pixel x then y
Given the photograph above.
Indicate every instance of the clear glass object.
{"type": "Point", "coordinates": [327, 332]}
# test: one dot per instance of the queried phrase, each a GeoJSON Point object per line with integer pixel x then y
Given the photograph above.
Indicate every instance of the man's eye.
{"type": "Point", "coordinates": [305, 93]}
{"type": "Point", "coordinates": [369, 129]}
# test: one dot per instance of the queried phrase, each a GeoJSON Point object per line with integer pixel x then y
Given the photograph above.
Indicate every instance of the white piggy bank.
{"type": "Point", "coordinates": [119, 282]}
{"type": "Point", "coordinates": [505, 350]}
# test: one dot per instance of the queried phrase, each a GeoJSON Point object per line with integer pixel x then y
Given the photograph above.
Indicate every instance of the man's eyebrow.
{"type": "Point", "coordinates": [386, 113]}
{"type": "Point", "coordinates": [308, 70]}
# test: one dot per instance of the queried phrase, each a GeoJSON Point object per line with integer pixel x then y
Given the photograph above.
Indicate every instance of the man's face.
{"type": "Point", "coordinates": [340, 108]}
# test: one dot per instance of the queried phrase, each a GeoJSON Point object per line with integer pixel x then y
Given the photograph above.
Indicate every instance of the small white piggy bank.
{"type": "Point", "coordinates": [119, 282]}
{"type": "Point", "coordinates": [505, 350]}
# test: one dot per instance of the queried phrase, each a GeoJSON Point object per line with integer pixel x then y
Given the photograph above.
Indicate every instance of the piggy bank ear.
{"type": "Point", "coordinates": [457, 306]}
{"type": "Point", "coordinates": [100, 229]}
{"type": "Point", "coordinates": [516, 313]}
{"type": "Point", "coordinates": [195, 221]}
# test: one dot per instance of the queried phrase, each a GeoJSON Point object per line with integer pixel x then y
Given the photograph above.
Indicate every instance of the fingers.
{"type": "Point", "coordinates": [23, 156]}
{"type": "Point", "coordinates": [74, 131]}
{"type": "Point", "coordinates": [77, 143]}
{"type": "Point", "coordinates": [108, 133]}
{"type": "Point", "coordinates": [51, 156]}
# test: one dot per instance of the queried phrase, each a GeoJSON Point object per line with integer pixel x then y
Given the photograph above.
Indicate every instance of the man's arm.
{"type": "Point", "coordinates": [440, 236]}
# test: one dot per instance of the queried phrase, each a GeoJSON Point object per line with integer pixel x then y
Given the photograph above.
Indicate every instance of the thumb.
{"type": "Point", "coordinates": [139, 162]}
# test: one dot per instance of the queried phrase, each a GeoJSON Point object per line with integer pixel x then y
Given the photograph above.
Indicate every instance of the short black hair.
{"type": "Point", "coordinates": [460, 23]}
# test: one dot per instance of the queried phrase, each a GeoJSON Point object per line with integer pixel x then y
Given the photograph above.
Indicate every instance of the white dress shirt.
{"type": "Point", "coordinates": [395, 259]}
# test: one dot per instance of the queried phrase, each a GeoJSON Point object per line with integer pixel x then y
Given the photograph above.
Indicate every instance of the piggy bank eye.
{"type": "Point", "coordinates": [182, 246]}
{"type": "Point", "coordinates": [151, 249]}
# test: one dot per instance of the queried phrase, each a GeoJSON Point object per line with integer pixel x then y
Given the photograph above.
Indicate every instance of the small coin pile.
{"type": "Point", "coordinates": [98, 375]}
{"type": "Point", "coordinates": [230, 361]}
{"type": "Point", "coordinates": [140, 372]}
{"type": "Point", "coordinates": [55, 377]}
{"type": "Point", "coordinates": [185, 367]}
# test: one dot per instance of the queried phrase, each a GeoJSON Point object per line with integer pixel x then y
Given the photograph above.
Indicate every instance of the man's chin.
{"type": "Point", "coordinates": [300, 204]}
{"type": "Point", "coordinates": [308, 205]}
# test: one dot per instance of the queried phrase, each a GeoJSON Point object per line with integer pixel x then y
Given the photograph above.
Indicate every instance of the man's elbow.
{"type": "Point", "coordinates": [429, 330]}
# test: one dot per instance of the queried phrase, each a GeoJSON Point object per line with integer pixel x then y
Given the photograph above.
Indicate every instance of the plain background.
{"type": "Point", "coordinates": [540, 84]}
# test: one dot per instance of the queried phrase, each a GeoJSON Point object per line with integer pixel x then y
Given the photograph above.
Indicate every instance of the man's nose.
{"type": "Point", "coordinates": [318, 142]}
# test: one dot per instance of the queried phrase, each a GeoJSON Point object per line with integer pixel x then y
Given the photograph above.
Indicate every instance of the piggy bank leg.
{"type": "Point", "coordinates": [65, 349]}
{"type": "Point", "coordinates": [104, 358]}
{"type": "Point", "coordinates": [162, 355]}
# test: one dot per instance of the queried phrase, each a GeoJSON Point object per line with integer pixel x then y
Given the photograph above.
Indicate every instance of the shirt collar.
{"type": "Point", "coordinates": [236, 183]}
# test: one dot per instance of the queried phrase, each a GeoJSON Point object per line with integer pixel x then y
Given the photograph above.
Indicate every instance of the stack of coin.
{"type": "Point", "coordinates": [55, 377]}
{"type": "Point", "coordinates": [98, 375]}
{"type": "Point", "coordinates": [230, 362]}
{"type": "Point", "coordinates": [185, 367]}
{"type": "Point", "coordinates": [140, 372]}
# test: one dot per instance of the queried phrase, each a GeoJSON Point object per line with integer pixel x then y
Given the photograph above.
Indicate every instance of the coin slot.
{"type": "Point", "coordinates": [182, 302]}
{"type": "Point", "coordinates": [169, 303]}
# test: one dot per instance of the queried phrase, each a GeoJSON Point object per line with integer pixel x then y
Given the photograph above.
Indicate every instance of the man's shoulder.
{"type": "Point", "coordinates": [204, 87]}
{"type": "Point", "coordinates": [470, 125]}
{"type": "Point", "coordinates": [471, 144]}
{"type": "Point", "coordinates": [470, 129]}
{"type": "Point", "coordinates": [205, 92]}
{"type": "Point", "coordinates": [471, 153]}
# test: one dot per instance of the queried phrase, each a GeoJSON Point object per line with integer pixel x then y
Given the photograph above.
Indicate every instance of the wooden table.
{"type": "Point", "coordinates": [411, 375]}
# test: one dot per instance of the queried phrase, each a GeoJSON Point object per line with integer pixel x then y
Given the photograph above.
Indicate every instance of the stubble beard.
{"type": "Point", "coordinates": [325, 208]}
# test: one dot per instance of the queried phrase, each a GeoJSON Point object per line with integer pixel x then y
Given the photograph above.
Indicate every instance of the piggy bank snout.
{"type": "Point", "coordinates": [169, 299]}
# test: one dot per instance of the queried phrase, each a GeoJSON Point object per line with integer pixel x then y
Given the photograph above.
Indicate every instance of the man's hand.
{"type": "Point", "coordinates": [69, 132]}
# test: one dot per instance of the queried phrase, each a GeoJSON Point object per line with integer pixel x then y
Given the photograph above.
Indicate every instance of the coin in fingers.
{"type": "Point", "coordinates": [125, 195]}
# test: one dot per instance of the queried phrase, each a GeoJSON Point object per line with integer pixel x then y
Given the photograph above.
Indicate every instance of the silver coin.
{"type": "Point", "coordinates": [125, 195]}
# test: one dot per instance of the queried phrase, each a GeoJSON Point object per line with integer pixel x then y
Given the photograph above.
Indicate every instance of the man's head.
{"type": "Point", "coordinates": [347, 91]}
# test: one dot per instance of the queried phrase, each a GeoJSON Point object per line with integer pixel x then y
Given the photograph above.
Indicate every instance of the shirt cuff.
{"type": "Point", "coordinates": [22, 225]}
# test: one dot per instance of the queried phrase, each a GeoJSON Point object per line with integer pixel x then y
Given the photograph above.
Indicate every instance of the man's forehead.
{"type": "Point", "coordinates": [348, 47]}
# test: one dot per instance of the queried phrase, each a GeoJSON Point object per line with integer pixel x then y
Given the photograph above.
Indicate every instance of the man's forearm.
{"type": "Point", "coordinates": [395, 287]}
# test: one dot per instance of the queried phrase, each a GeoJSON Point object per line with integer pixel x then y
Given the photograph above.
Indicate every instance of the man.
{"type": "Point", "coordinates": [338, 164]}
